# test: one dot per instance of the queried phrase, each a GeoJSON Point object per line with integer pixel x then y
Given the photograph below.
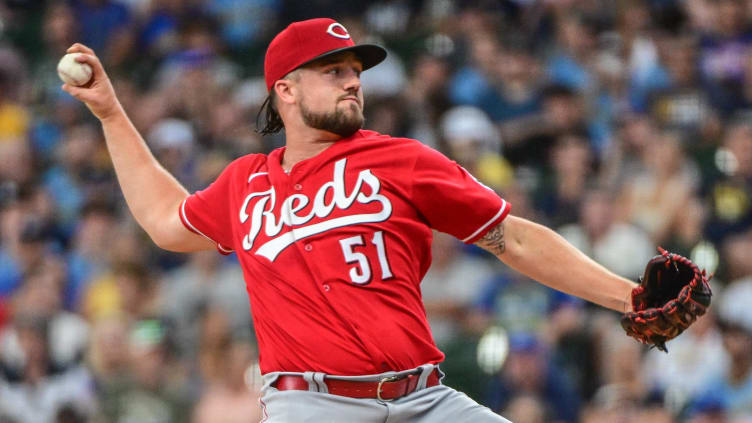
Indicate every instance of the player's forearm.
{"type": "Point", "coordinates": [545, 256]}
{"type": "Point", "coordinates": [152, 194]}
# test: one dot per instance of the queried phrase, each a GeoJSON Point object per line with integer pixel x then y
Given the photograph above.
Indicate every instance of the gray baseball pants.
{"type": "Point", "coordinates": [435, 404]}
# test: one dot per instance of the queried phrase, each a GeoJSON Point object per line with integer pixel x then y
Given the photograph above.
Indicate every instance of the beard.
{"type": "Point", "coordinates": [338, 122]}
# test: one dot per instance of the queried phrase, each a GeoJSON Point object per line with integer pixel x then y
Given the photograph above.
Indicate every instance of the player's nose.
{"type": "Point", "coordinates": [352, 81]}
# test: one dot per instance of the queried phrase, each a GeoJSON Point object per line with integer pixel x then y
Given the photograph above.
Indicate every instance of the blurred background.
{"type": "Point", "coordinates": [623, 125]}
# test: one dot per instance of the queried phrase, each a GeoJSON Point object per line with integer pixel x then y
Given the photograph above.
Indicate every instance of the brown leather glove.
{"type": "Point", "coordinates": [672, 294]}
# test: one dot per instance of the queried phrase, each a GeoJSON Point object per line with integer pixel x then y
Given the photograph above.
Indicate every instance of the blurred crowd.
{"type": "Point", "coordinates": [622, 124]}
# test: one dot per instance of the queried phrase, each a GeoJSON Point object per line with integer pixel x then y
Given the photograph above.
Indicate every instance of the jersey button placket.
{"type": "Point", "coordinates": [307, 247]}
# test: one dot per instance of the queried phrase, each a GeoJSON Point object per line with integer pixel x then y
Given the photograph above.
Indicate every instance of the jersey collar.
{"type": "Point", "coordinates": [274, 161]}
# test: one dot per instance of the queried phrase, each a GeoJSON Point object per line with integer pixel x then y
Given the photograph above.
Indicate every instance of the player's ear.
{"type": "Point", "coordinates": [286, 91]}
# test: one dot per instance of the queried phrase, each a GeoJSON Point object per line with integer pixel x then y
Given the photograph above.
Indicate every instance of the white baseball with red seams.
{"type": "Point", "coordinates": [73, 72]}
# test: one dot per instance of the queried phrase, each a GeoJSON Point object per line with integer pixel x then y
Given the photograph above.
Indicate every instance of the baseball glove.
{"type": "Point", "coordinates": [672, 294]}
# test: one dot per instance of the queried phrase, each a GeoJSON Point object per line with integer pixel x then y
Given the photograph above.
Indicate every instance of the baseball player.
{"type": "Point", "coordinates": [333, 233]}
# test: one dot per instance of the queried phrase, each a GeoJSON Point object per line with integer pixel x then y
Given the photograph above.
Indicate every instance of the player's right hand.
{"type": "Point", "coordinates": [97, 94]}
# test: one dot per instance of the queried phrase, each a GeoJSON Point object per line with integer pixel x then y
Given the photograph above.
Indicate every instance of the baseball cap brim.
{"type": "Point", "coordinates": [370, 55]}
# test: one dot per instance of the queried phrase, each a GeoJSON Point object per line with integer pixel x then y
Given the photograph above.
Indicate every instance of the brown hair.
{"type": "Point", "coordinates": [273, 121]}
{"type": "Point", "coordinates": [268, 108]}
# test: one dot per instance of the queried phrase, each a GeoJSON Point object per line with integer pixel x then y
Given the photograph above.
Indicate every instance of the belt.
{"type": "Point", "coordinates": [386, 389]}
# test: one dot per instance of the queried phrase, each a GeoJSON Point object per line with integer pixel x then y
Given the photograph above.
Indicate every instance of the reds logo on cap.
{"type": "Point", "coordinates": [337, 30]}
{"type": "Point", "coordinates": [305, 41]}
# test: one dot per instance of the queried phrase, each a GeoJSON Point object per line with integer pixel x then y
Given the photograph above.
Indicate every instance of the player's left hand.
{"type": "Point", "coordinates": [672, 294]}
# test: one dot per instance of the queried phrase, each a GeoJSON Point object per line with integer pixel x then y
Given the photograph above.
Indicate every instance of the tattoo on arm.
{"type": "Point", "coordinates": [493, 241]}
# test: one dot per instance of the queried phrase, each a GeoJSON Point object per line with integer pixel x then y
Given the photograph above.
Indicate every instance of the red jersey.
{"type": "Point", "coordinates": [333, 252]}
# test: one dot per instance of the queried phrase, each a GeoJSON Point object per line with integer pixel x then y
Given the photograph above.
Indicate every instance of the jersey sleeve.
{"type": "Point", "coordinates": [207, 212]}
{"type": "Point", "coordinates": [452, 200]}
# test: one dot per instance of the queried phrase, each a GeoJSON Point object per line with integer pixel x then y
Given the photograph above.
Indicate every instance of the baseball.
{"type": "Point", "coordinates": [73, 72]}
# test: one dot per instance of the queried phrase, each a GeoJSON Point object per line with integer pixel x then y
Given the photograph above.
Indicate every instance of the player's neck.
{"type": "Point", "coordinates": [304, 143]}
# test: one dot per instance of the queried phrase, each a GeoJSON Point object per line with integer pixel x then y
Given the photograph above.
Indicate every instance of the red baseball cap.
{"type": "Point", "coordinates": [305, 41]}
